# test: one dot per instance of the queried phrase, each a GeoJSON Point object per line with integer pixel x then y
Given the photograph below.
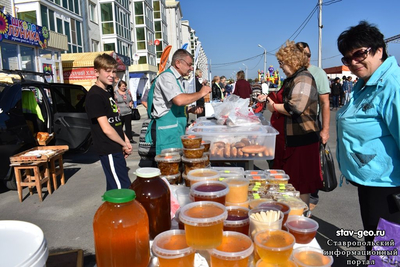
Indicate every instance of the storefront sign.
{"type": "Point", "coordinates": [21, 31]}
{"type": "Point", "coordinates": [79, 74]}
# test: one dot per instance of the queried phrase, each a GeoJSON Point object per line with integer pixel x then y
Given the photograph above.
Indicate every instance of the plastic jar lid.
{"type": "Point", "coordinates": [237, 182]}
{"type": "Point", "coordinates": [303, 225]}
{"type": "Point", "coordinates": [239, 238]}
{"type": "Point", "coordinates": [203, 174]}
{"type": "Point", "coordinates": [168, 157]}
{"type": "Point", "coordinates": [254, 172]}
{"type": "Point", "coordinates": [119, 195]}
{"type": "Point", "coordinates": [147, 172]}
{"type": "Point", "coordinates": [191, 136]}
{"type": "Point", "coordinates": [264, 234]}
{"type": "Point", "coordinates": [278, 177]}
{"type": "Point", "coordinates": [307, 249]}
{"type": "Point", "coordinates": [199, 217]}
{"type": "Point", "coordinates": [242, 204]}
{"type": "Point", "coordinates": [222, 189]}
{"type": "Point", "coordinates": [163, 238]}
{"type": "Point", "coordinates": [171, 176]}
{"type": "Point", "coordinates": [172, 150]}
{"type": "Point", "coordinates": [274, 171]}
{"type": "Point", "coordinates": [194, 160]}
{"type": "Point", "coordinates": [194, 149]}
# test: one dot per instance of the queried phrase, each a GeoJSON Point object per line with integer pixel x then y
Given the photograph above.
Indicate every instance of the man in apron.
{"type": "Point", "coordinates": [167, 102]}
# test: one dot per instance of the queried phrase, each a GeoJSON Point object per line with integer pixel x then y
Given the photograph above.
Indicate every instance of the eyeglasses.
{"type": "Point", "coordinates": [358, 56]}
{"type": "Point", "coordinates": [189, 65]}
{"type": "Point", "coordinates": [308, 55]}
{"type": "Point", "coordinates": [281, 63]}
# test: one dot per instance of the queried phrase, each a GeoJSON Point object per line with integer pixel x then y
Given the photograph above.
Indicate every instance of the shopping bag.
{"type": "Point", "coordinates": [135, 114]}
{"type": "Point", "coordinates": [387, 244]}
{"type": "Point", "coordinates": [329, 180]}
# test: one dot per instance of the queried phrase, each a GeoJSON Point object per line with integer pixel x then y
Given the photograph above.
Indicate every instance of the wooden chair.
{"type": "Point", "coordinates": [36, 174]}
{"type": "Point", "coordinates": [57, 170]}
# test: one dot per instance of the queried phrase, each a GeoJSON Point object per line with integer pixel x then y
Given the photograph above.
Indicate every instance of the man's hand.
{"type": "Point", "coordinates": [205, 90]}
{"type": "Point", "coordinates": [195, 110]}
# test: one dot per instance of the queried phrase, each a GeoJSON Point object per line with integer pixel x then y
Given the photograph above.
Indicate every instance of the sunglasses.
{"type": "Point", "coordinates": [358, 56]}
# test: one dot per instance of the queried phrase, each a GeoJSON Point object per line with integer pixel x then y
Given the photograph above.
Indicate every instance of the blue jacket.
{"type": "Point", "coordinates": [368, 129]}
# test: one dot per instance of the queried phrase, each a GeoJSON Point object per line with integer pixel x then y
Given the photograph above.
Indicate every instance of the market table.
{"type": "Point", "coordinates": [41, 164]}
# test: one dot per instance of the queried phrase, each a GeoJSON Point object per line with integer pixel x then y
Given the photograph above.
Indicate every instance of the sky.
{"type": "Point", "coordinates": [230, 31]}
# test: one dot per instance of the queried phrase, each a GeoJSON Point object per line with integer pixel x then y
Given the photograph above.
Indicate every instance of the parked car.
{"type": "Point", "coordinates": [28, 107]}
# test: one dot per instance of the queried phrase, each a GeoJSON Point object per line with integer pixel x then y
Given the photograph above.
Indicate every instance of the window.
{"type": "Point", "coordinates": [158, 29]}
{"type": "Point", "coordinates": [27, 58]}
{"type": "Point", "coordinates": [78, 33]}
{"type": "Point", "coordinates": [139, 18]}
{"type": "Point", "coordinates": [107, 18]}
{"type": "Point", "coordinates": [59, 26]}
{"type": "Point", "coordinates": [9, 56]}
{"type": "Point", "coordinates": [140, 38]}
{"type": "Point", "coordinates": [43, 11]}
{"type": "Point", "coordinates": [156, 7]}
{"type": "Point", "coordinates": [73, 31]}
{"type": "Point", "coordinates": [109, 47]}
{"type": "Point", "coordinates": [76, 5]}
{"type": "Point", "coordinates": [51, 20]}
{"type": "Point", "coordinates": [92, 12]}
{"type": "Point", "coordinates": [68, 34]}
{"type": "Point", "coordinates": [29, 16]}
{"type": "Point", "coordinates": [67, 99]}
{"type": "Point", "coordinates": [143, 60]}
{"type": "Point", "coordinates": [45, 53]}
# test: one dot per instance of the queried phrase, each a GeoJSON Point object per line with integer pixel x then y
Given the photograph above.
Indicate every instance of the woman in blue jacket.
{"type": "Point", "coordinates": [368, 126]}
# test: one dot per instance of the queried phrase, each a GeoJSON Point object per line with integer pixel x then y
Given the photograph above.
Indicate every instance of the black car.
{"type": "Point", "coordinates": [28, 107]}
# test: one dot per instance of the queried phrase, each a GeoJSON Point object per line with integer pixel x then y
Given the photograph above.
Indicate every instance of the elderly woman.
{"type": "Point", "coordinates": [368, 126]}
{"type": "Point", "coordinates": [294, 110]}
{"type": "Point", "coordinates": [124, 101]}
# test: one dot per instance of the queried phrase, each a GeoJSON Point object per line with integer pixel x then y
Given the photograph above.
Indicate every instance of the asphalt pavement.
{"type": "Point", "coordinates": [66, 216]}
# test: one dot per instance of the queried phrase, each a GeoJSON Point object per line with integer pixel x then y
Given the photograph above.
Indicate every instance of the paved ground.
{"type": "Point", "coordinates": [66, 216]}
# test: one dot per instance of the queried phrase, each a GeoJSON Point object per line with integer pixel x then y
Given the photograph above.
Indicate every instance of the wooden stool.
{"type": "Point", "coordinates": [35, 177]}
{"type": "Point", "coordinates": [57, 170]}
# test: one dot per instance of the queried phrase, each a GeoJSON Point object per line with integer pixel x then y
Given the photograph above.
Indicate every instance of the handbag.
{"type": "Point", "coordinates": [329, 180]}
{"type": "Point", "coordinates": [135, 114]}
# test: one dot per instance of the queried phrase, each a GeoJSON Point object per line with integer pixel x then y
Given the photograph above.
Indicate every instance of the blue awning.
{"type": "Point", "coordinates": [136, 75]}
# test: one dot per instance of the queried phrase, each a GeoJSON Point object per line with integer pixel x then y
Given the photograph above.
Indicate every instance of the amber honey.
{"type": "Point", "coordinates": [274, 246]}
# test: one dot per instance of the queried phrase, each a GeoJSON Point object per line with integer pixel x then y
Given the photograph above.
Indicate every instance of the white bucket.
{"type": "Point", "coordinates": [22, 244]}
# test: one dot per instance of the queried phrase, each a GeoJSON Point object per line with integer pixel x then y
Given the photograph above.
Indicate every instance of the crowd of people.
{"type": "Point", "coordinates": [368, 135]}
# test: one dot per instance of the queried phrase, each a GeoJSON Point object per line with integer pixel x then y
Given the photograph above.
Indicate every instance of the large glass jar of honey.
{"type": "Point", "coordinates": [121, 231]}
{"type": "Point", "coordinates": [153, 193]}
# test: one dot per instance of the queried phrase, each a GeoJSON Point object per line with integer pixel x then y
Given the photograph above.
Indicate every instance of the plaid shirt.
{"type": "Point", "coordinates": [300, 98]}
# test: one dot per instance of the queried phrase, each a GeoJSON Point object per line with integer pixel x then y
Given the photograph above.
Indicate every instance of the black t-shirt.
{"type": "Point", "coordinates": [100, 103]}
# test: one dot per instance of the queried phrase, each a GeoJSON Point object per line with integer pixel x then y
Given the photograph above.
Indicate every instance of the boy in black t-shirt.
{"type": "Point", "coordinates": [109, 140]}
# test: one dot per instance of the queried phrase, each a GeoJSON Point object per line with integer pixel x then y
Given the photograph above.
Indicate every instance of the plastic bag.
{"type": "Point", "coordinates": [387, 244]}
{"type": "Point", "coordinates": [235, 111]}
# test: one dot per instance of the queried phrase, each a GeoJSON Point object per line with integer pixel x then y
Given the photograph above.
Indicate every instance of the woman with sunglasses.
{"type": "Point", "coordinates": [368, 126]}
{"type": "Point", "coordinates": [294, 115]}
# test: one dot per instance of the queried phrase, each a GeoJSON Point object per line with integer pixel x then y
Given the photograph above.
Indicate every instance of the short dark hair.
{"type": "Point", "coordinates": [362, 35]}
{"type": "Point", "coordinates": [304, 45]}
{"type": "Point", "coordinates": [121, 82]}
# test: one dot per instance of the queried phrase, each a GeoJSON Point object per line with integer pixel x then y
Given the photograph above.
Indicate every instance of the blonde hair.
{"type": "Point", "coordinates": [105, 61]}
{"type": "Point", "coordinates": [215, 79]}
{"type": "Point", "coordinates": [292, 55]}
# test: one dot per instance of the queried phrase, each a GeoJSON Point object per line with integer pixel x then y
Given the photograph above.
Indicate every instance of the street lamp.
{"type": "Point", "coordinates": [246, 71]}
{"type": "Point", "coordinates": [265, 61]}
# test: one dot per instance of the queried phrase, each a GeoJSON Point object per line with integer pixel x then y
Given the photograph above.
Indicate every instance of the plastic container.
{"type": "Point", "coordinates": [257, 224]}
{"type": "Point", "coordinates": [153, 193]}
{"type": "Point", "coordinates": [278, 178]}
{"type": "Point", "coordinates": [209, 191]}
{"type": "Point", "coordinates": [193, 164]}
{"type": "Point", "coordinates": [206, 144]}
{"type": "Point", "coordinates": [238, 143]}
{"type": "Point", "coordinates": [193, 153]}
{"type": "Point", "coordinates": [297, 206]}
{"type": "Point", "coordinates": [22, 244]}
{"type": "Point", "coordinates": [237, 220]}
{"type": "Point", "coordinates": [173, 178]}
{"type": "Point", "coordinates": [172, 150]}
{"type": "Point", "coordinates": [121, 231]}
{"type": "Point", "coordinates": [168, 163]}
{"type": "Point", "coordinates": [274, 171]}
{"type": "Point", "coordinates": [255, 202]}
{"type": "Point", "coordinates": [191, 140]}
{"type": "Point", "coordinates": [254, 172]}
{"type": "Point", "coordinates": [201, 175]}
{"type": "Point", "coordinates": [302, 228]}
{"type": "Point", "coordinates": [234, 251]}
{"type": "Point", "coordinates": [258, 179]}
{"type": "Point", "coordinates": [278, 205]}
{"type": "Point", "coordinates": [274, 246]}
{"type": "Point", "coordinates": [204, 221]}
{"type": "Point", "coordinates": [288, 263]}
{"type": "Point", "coordinates": [306, 256]}
{"type": "Point", "coordinates": [207, 154]}
{"type": "Point", "coordinates": [172, 250]}
{"type": "Point", "coordinates": [230, 170]}
{"type": "Point", "coordinates": [244, 204]}
{"type": "Point", "coordinates": [238, 189]}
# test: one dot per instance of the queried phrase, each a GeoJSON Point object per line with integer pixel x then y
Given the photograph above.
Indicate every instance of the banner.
{"type": "Point", "coordinates": [21, 31]}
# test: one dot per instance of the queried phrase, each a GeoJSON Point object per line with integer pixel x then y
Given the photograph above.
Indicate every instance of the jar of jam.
{"type": "Point", "coordinates": [121, 231]}
{"type": "Point", "coordinates": [153, 193]}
